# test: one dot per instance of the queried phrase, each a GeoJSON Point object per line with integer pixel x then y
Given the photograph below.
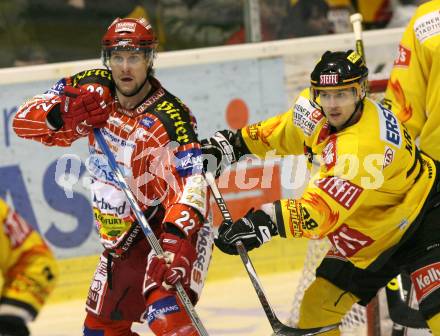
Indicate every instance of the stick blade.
{"type": "Point", "coordinates": [283, 330]}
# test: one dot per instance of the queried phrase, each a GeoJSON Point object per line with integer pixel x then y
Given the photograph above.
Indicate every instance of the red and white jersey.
{"type": "Point", "coordinates": [156, 147]}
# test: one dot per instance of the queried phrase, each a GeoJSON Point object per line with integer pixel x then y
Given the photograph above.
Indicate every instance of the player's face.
{"type": "Point", "coordinates": [338, 105]}
{"type": "Point", "coordinates": [129, 69]}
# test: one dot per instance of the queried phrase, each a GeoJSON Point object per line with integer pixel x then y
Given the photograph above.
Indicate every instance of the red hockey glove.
{"type": "Point", "coordinates": [180, 255]}
{"type": "Point", "coordinates": [82, 110]}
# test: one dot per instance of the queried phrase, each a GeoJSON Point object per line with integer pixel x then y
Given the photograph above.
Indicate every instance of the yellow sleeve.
{"type": "Point", "coordinates": [412, 92]}
{"type": "Point", "coordinates": [332, 195]}
{"type": "Point", "coordinates": [284, 134]}
{"type": "Point", "coordinates": [28, 266]}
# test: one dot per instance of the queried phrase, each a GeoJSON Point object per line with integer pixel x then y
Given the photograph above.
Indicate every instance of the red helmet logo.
{"type": "Point", "coordinates": [129, 33]}
{"type": "Point", "coordinates": [125, 26]}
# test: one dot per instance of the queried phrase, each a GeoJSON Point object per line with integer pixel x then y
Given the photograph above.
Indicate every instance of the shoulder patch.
{"type": "Point", "coordinates": [57, 88]}
{"type": "Point", "coordinates": [306, 116]}
{"type": "Point", "coordinates": [427, 26]}
{"type": "Point", "coordinates": [94, 76]}
{"type": "Point", "coordinates": [403, 57]}
{"type": "Point", "coordinates": [177, 121]}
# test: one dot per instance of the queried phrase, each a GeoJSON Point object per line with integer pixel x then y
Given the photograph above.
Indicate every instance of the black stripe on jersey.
{"type": "Point", "coordinates": [102, 77]}
{"type": "Point", "coordinates": [20, 304]}
{"type": "Point", "coordinates": [417, 159]}
{"type": "Point", "coordinates": [176, 120]}
{"type": "Point", "coordinates": [240, 147]}
{"type": "Point", "coordinates": [280, 220]}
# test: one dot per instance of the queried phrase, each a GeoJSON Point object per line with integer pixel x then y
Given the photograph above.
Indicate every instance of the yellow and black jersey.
{"type": "Point", "coordinates": [370, 186]}
{"type": "Point", "coordinates": [28, 267]}
{"type": "Point", "coordinates": [413, 93]}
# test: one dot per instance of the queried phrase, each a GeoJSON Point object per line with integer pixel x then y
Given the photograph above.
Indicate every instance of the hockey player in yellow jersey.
{"type": "Point", "coordinates": [29, 273]}
{"type": "Point", "coordinates": [413, 91]}
{"type": "Point", "coordinates": [375, 196]}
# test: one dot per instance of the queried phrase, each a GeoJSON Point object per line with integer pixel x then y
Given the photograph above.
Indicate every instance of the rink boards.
{"type": "Point", "coordinates": [225, 87]}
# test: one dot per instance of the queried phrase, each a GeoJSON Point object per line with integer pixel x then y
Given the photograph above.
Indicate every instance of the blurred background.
{"type": "Point", "coordinates": [47, 31]}
{"type": "Point", "coordinates": [233, 63]}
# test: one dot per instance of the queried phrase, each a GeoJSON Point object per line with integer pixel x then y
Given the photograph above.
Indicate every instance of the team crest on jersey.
{"type": "Point", "coordinates": [403, 57]}
{"type": "Point", "coordinates": [252, 131]}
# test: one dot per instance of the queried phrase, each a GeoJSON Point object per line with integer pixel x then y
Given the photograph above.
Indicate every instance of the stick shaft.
{"type": "Point", "coordinates": [279, 328]}
{"type": "Point", "coordinates": [151, 238]}
{"type": "Point", "coordinates": [356, 21]}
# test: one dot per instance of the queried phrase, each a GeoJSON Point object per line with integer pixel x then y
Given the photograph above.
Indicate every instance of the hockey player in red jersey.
{"type": "Point", "coordinates": [29, 273]}
{"type": "Point", "coordinates": [152, 136]}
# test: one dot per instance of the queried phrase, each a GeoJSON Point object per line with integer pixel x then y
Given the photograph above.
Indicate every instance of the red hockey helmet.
{"type": "Point", "coordinates": [128, 34]}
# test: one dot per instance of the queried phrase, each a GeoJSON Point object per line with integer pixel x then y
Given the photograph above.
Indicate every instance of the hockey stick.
{"type": "Point", "coordinates": [279, 328]}
{"type": "Point", "coordinates": [356, 21]}
{"type": "Point", "coordinates": [373, 310]}
{"type": "Point", "coordinates": [149, 234]}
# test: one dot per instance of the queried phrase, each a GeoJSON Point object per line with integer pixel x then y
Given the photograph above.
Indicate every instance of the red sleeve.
{"type": "Point", "coordinates": [171, 174]}
{"type": "Point", "coordinates": [30, 122]}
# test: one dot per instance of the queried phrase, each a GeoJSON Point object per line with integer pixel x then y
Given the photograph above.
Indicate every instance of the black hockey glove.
{"type": "Point", "coordinates": [253, 230]}
{"type": "Point", "coordinates": [218, 152]}
{"type": "Point", "coordinates": [12, 326]}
